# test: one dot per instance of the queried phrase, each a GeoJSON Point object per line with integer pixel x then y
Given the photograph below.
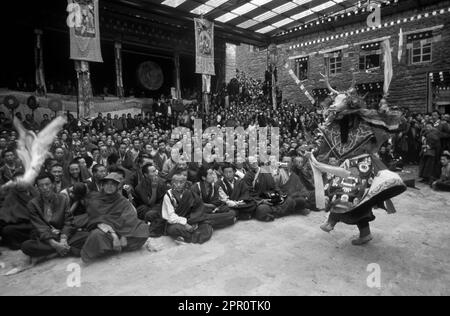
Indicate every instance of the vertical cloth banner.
{"type": "Point", "coordinates": [83, 21]}
{"type": "Point", "coordinates": [388, 71]}
{"type": "Point", "coordinates": [84, 88]}
{"type": "Point", "coordinates": [204, 43]}
{"type": "Point", "coordinates": [400, 45]}
{"type": "Point", "coordinates": [39, 63]}
{"type": "Point", "coordinates": [299, 83]}
{"type": "Point", "coordinates": [119, 70]}
{"type": "Point", "coordinates": [206, 88]}
{"type": "Point", "coordinates": [206, 83]}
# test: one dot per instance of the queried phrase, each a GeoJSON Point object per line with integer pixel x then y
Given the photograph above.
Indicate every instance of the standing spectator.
{"type": "Point", "coordinates": [429, 156]}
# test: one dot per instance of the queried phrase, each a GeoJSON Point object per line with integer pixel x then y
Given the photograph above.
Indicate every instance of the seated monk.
{"type": "Point", "coordinates": [52, 222]}
{"type": "Point", "coordinates": [235, 194]}
{"type": "Point", "coordinates": [98, 173]}
{"type": "Point", "coordinates": [149, 194]}
{"type": "Point", "coordinates": [184, 212]}
{"type": "Point", "coordinates": [302, 169]}
{"type": "Point", "coordinates": [443, 184]}
{"type": "Point", "coordinates": [15, 224]}
{"type": "Point", "coordinates": [113, 223]}
{"type": "Point", "coordinates": [77, 197]}
{"type": "Point", "coordinates": [262, 185]}
{"type": "Point", "coordinates": [217, 212]}
{"type": "Point", "coordinates": [289, 184]}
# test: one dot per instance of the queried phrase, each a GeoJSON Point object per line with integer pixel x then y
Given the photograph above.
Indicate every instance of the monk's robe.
{"type": "Point", "coordinates": [443, 184]}
{"type": "Point", "coordinates": [118, 213]}
{"type": "Point", "coordinates": [15, 225]}
{"type": "Point", "coordinates": [207, 192]}
{"type": "Point", "coordinates": [238, 192]}
{"type": "Point", "coordinates": [186, 209]}
{"type": "Point", "coordinates": [54, 222]}
{"type": "Point", "coordinates": [259, 183]}
{"type": "Point", "coordinates": [148, 201]}
{"type": "Point", "coordinates": [305, 178]}
{"type": "Point", "coordinates": [148, 198]}
{"type": "Point", "coordinates": [289, 184]}
{"type": "Point", "coordinates": [262, 183]}
{"type": "Point", "coordinates": [219, 215]}
{"type": "Point", "coordinates": [292, 186]}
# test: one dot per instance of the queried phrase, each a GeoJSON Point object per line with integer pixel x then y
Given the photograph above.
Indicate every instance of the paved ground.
{"type": "Point", "coordinates": [291, 256]}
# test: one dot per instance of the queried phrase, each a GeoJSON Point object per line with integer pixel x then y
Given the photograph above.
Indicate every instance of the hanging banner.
{"type": "Point", "coordinates": [119, 70]}
{"type": "Point", "coordinates": [206, 83]}
{"type": "Point", "coordinates": [83, 21]}
{"type": "Point", "coordinates": [388, 70]}
{"type": "Point", "coordinates": [299, 83]}
{"type": "Point", "coordinates": [204, 43]}
{"type": "Point", "coordinates": [400, 45]}
{"type": "Point", "coordinates": [39, 64]}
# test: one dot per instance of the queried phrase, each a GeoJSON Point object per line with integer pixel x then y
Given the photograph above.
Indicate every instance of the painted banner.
{"type": "Point", "coordinates": [388, 69]}
{"type": "Point", "coordinates": [39, 64]}
{"type": "Point", "coordinates": [204, 44]}
{"type": "Point", "coordinates": [119, 70]}
{"type": "Point", "coordinates": [83, 21]}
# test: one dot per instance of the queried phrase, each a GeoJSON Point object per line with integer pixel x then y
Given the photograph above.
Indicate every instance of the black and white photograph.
{"type": "Point", "coordinates": [226, 155]}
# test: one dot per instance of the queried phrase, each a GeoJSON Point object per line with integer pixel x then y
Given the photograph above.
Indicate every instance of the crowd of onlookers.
{"type": "Point", "coordinates": [110, 183]}
{"type": "Point", "coordinates": [128, 161]}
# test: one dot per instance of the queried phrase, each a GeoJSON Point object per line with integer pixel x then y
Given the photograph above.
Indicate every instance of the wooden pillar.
{"type": "Point", "coordinates": [84, 96]}
{"type": "Point", "coordinates": [273, 58]}
{"type": "Point", "coordinates": [119, 70]}
{"type": "Point", "coordinates": [177, 74]}
{"type": "Point", "coordinates": [41, 87]}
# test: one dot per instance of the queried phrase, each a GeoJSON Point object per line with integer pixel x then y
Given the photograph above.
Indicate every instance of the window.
{"type": "Point", "coordinates": [373, 93]}
{"type": "Point", "coordinates": [334, 61]}
{"type": "Point", "coordinates": [369, 62]}
{"type": "Point", "coordinates": [301, 68]}
{"type": "Point", "coordinates": [420, 53]}
{"type": "Point", "coordinates": [420, 47]}
{"type": "Point", "coordinates": [370, 56]}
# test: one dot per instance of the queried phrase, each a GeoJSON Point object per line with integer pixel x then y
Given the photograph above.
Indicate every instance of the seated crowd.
{"type": "Point", "coordinates": [109, 186]}
{"type": "Point", "coordinates": [102, 193]}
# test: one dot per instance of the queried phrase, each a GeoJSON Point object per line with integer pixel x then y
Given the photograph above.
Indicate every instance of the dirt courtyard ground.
{"type": "Point", "coordinates": [290, 256]}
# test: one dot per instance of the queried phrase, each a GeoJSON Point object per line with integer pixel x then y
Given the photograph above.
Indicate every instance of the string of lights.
{"type": "Point", "coordinates": [356, 10]}
{"type": "Point", "coordinates": [368, 29]}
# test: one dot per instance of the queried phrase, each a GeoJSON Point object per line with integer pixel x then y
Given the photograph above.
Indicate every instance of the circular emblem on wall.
{"type": "Point", "coordinates": [32, 103]}
{"type": "Point", "coordinates": [11, 102]}
{"type": "Point", "coordinates": [55, 105]}
{"type": "Point", "coordinates": [150, 75]}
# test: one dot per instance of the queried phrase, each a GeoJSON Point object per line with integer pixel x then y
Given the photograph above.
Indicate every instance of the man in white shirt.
{"type": "Point", "coordinates": [184, 212]}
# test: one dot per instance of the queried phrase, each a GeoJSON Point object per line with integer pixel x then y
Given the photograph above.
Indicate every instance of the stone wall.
{"type": "Point", "coordinates": [409, 86]}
